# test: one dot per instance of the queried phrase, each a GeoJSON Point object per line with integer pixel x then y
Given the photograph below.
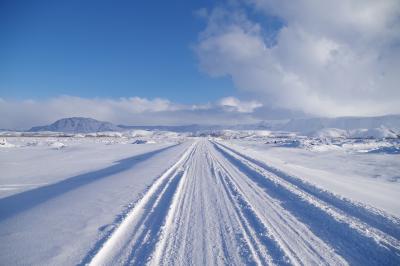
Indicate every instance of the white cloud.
{"type": "Point", "coordinates": [331, 58]}
{"type": "Point", "coordinates": [235, 104]}
{"type": "Point", "coordinates": [130, 111]}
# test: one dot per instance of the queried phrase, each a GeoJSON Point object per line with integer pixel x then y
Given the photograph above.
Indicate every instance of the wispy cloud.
{"type": "Point", "coordinates": [234, 104]}
{"type": "Point", "coordinates": [132, 111]}
{"type": "Point", "coordinates": [328, 58]}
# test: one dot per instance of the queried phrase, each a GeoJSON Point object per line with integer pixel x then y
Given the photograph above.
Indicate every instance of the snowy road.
{"type": "Point", "coordinates": [215, 205]}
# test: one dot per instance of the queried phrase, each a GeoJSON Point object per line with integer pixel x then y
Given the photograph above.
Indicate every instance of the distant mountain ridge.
{"type": "Point", "coordinates": [304, 125]}
{"type": "Point", "coordinates": [307, 125]}
{"type": "Point", "coordinates": [77, 125]}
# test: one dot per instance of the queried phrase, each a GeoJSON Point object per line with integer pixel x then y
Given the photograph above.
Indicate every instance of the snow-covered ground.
{"type": "Point", "coordinates": [356, 171]}
{"type": "Point", "coordinates": [232, 198]}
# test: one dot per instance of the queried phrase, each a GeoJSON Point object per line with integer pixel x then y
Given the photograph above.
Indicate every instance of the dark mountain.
{"type": "Point", "coordinates": [77, 125]}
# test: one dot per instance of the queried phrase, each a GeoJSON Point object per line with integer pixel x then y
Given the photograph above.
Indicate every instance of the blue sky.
{"type": "Point", "coordinates": [104, 49]}
{"type": "Point", "coordinates": [184, 62]}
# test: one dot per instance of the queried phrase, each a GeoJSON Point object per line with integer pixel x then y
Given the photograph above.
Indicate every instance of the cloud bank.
{"type": "Point", "coordinates": [129, 111]}
{"type": "Point", "coordinates": [326, 58]}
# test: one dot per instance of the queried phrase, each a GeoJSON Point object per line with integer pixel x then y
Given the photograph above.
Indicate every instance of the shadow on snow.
{"type": "Point", "coordinates": [17, 203]}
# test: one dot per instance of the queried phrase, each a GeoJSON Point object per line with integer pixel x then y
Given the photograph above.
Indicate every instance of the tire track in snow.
{"type": "Point", "coordinates": [221, 235]}
{"type": "Point", "coordinates": [256, 233]}
{"type": "Point", "coordinates": [260, 238]}
{"type": "Point", "coordinates": [132, 240]}
{"type": "Point", "coordinates": [351, 237]}
{"type": "Point", "coordinates": [376, 218]}
{"type": "Point", "coordinates": [291, 237]}
{"type": "Point", "coordinates": [215, 206]}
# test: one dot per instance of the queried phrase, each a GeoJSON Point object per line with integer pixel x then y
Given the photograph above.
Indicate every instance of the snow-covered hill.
{"type": "Point", "coordinates": [308, 125]}
{"type": "Point", "coordinates": [360, 133]}
{"type": "Point", "coordinates": [77, 125]}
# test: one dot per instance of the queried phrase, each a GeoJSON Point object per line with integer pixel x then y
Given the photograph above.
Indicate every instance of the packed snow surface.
{"type": "Point", "coordinates": [231, 198]}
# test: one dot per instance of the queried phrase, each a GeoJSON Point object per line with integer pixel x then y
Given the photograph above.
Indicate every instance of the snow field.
{"type": "Point", "coordinates": [202, 201]}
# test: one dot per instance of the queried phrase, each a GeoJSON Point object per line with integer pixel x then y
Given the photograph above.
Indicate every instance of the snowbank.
{"type": "Point", "coordinates": [373, 133]}
{"type": "Point", "coordinates": [57, 145]}
{"type": "Point", "coordinates": [330, 133]}
{"type": "Point", "coordinates": [5, 144]}
{"type": "Point", "coordinates": [142, 141]}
